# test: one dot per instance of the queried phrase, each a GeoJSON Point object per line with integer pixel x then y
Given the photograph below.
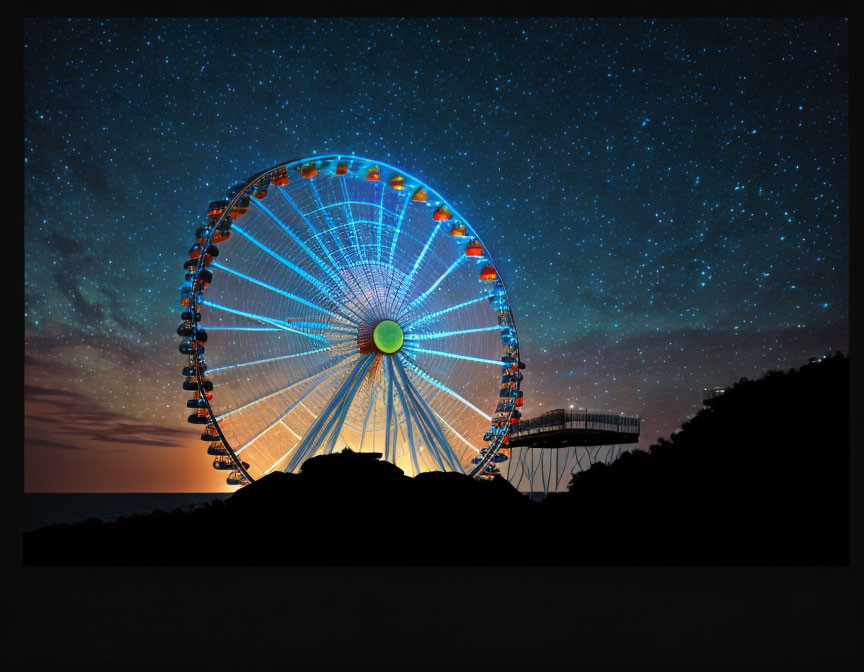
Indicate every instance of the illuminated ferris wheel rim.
{"type": "Point", "coordinates": [410, 184]}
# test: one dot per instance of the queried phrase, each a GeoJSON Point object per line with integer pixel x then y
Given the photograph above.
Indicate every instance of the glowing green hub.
{"type": "Point", "coordinates": [388, 337]}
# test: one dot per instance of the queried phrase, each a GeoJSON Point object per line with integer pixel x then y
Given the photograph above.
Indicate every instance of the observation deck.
{"type": "Point", "coordinates": [563, 429]}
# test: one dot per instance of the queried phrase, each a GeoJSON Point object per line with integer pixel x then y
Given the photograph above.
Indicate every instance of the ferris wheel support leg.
{"type": "Point", "coordinates": [389, 434]}
{"type": "Point", "coordinates": [366, 419]}
{"type": "Point", "coordinates": [408, 419]}
{"type": "Point", "coordinates": [434, 429]}
{"type": "Point", "coordinates": [419, 419]}
{"type": "Point", "coordinates": [317, 432]}
{"type": "Point", "coordinates": [335, 424]}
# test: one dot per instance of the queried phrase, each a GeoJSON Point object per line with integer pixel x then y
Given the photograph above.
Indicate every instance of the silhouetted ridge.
{"type": "Point", "coordinates": [760, 476]}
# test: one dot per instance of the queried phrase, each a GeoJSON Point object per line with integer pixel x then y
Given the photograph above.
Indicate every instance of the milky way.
{"type": "Point", "coordinates": [667, 199]}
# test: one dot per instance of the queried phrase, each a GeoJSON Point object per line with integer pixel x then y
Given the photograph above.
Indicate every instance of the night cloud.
{"type": "Point", "coordinates": [68, 413]}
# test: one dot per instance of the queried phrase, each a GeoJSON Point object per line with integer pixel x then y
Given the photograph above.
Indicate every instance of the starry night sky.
{"type": "Point", "coordinates": [667, 200]}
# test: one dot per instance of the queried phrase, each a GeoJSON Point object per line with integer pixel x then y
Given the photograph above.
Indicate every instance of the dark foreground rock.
{"type": "Point", "coordinates": [761, 477]}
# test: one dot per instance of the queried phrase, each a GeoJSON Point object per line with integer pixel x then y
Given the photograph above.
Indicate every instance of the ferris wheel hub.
{"type": "Point", "coordinates": [388, 337]}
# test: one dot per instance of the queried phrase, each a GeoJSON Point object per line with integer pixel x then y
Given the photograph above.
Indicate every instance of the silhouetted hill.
{"type": "Point", "coordinates": [759, 477]}
{"type": "Point", "coordinates": [341, 509]}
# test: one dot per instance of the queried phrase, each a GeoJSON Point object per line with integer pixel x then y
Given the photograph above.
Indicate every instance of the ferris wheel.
{"type": "Point", "coordinates": [336, 302]}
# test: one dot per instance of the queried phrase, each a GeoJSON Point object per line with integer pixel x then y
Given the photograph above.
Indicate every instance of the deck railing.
{"type": "Point", "coordinates": [561, 420]}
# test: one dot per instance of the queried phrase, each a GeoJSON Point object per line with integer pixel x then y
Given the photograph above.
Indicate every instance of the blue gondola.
{"type": "Point", "coordinates": [217, 449]}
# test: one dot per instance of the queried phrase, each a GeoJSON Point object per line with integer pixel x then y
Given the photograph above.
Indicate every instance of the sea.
{"type": "Point", "coordinates": [42, 509]}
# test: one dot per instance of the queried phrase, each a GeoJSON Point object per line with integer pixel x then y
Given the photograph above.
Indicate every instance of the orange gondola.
{"type": "Point", "coordinates": [488, 273]}
{"type": "Point", "coordinates": [419, 195]}
{"type": "Point", "coordinates": [280, 178]}
{"type": "Point", "coordinates": [221, 235]}
{"type": "Point", "coordinates": [342, 169]}
{"type": "Point", "coordinates": [397, 182]}
{"type": "Point", "coordinates": [237, 478]}
{"type": "Point", "coordinates": [216, 208]}
{"type": "Point", "coordinates": [374, 173]}
{"type": "Point", "coordinates": [442, 214]}
{"type": "Point", "coordinates": [309, 171]}
{"type": "Point", "coordinates": [458, 231]}
{"type": "Point", "coordinates": [474, 249]}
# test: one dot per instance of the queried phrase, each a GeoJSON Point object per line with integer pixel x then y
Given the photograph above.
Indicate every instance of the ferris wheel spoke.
{"type": "Point", "coordinates": [331, 227]}
{"type": "Point", "coordinates": [349, 217]}
{"type": "Point", "coordinates": [269, 359]}
{"type": "Point", "coordinates": [315, 326]}
{"type": "Point", "coordinates": [317, 284]}
{"type": "Point", "coordinates": [321, 433]}
{"type": "Point", "coordinates": [398, 228]}
{"type": "Point", "coordinates": [444, 334]}
{"type": "Point", "coordinates": [380, 223]}
{"type": "Point", "coordinates": [267, 320]}
{"type": "Point", "coordinates": [411, 366]}
{"type": "Point", "coordinates": [413, 324]}
{"type": "Point", "coordinates": [299, 402]}
{"type": "Point", "coordinates": [311, 228]}
{"type": "Point", "coordinates": [332, 231]}
{"type": "Point", "coordinates": [331, 273]}
{"type": "Point", "coordinates": [420, 299]}
{"type": "Point", "coordinates": [451, 355]}
{"type": "Point", "coordinates": [369, 268]}
{"type": "Point", "coordinates": [406, 281]}
{"type": "Point", "coordinates": [458, 435]}
{"type": "Point", "coordinates": [282, 389]}
{"type": "Point", "coordinates": [288, 295]}
{"type": "Point", "coordinates": [282, 457]}
{"type": "Point", "coordinates": [334, 236]}
{"type": "Point", "coordinates": [211, 327]}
